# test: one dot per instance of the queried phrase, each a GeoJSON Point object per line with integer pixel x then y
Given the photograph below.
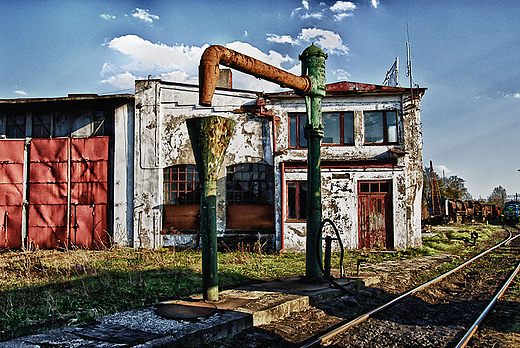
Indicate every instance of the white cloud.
{"type": "Point", "coordinates": [20, 92]}
{"type": "Point", "coordinates": [246, 33]}
{"type": "Point", "coordinates": [121, 81]}
{"type": "Point", "coordinates": [442, 169]}
{"type": "Point", "coordinates": [144, 15]}
{"type": "Point", "coordinates": [180, 63]}
{"type": "Point", "coordinates": [341, 75]}
{"type": "Point", "coordinates": [107, 69]}
{"type": "Point", "coordinates": [282, 39]}
{"type": "Point", "coordinates": [517, 95]}
{"type": "Point", "coordinates": [273, 57]}
{"type": "Point", "coordinates": [107, 16]}
{"type": "Point", "coordinates": [317, 15]}
{"type": "Point", "coordinates": [147, 56]}
{"type": "Point", "coordinates": [340, 16]}
{"type": "Point", "coordinates": [328, 40]}
{"type": "Point", "coordinates": [305, 4]}
{"type": "Point", "coordinates": [179, 76]}
{"type": "Point", "coordinates": [341, 6]}
{"type": "Point", "coordinates": [375, 3]}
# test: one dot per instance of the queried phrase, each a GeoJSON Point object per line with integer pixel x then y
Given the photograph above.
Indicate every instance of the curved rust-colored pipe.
{"type": "Point", "coordinates": [215, 55]}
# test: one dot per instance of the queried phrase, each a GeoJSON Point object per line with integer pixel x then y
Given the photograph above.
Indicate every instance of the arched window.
{"type": "Point", "coordinates": [250, 183]}
{"type": "Point", "coordinates": [181, 185]}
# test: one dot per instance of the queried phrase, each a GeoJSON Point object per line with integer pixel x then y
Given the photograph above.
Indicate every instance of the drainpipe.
{"type": "Point", "coordinates": [283, 212]}
{"type": "Point", "coordinates": [312, 86]}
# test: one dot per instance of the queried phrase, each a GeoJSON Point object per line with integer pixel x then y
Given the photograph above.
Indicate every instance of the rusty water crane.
{"type": "Point", "coordinates": [311, 85]}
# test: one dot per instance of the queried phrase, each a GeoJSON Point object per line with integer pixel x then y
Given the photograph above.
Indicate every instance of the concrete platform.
{"type": "Point", "coordinates": [237, 309]}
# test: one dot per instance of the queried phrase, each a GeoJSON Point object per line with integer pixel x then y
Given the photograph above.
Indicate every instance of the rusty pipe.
{"type": "Point", "coordinates": [214, 55]}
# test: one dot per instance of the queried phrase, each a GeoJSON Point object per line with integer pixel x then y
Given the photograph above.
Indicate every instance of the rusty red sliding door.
{"type": "Point", "coordinates": [68, 192]}
{"type": "Point", "coordinates": [11, 192]}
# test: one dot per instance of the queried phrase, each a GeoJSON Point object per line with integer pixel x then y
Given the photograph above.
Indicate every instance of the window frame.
{"type": "Point", "coordinates": [385, 127]}
{"type": "Point", "coordinates": [298, 202]}
{"type": "Point", "coordinates": [259, 182]}
{"type": "Point", "coordinates": [300, 129]}
{"type": "Point", "coordinates": [191, 196]}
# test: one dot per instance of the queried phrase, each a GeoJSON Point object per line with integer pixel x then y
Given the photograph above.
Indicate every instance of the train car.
{"type": "Point", "coordinates": [511, 211]}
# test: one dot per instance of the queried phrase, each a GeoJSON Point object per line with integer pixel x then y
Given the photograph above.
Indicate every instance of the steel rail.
{"type": "Point", "coordinates": [329, 335]}
{"type": "Point", "coordinates": [471, 331]}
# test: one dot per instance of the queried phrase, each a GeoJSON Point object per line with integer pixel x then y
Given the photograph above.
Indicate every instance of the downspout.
{"type": "Point", "coordinates": [282, 200]}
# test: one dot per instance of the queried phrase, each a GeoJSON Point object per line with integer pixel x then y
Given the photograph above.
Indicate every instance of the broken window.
{"type": "Point", "coordinates": [15, 126]}
{"type": "Point", "coordinates": [250, 183]}
{"type": "Point", "coordinates": [297, 200]}
{"type": "Point", "coordinates": [381, 127]}
{"type": "Point", "coordinates": [338, 129]}
{"type": "Point", "coordinates": [181, 185]}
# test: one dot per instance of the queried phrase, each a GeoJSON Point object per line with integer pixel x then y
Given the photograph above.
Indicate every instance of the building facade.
{"type": "Point", "coordinates": [371, 158]}
{"type": "Point", "coordinates": [66, 171]}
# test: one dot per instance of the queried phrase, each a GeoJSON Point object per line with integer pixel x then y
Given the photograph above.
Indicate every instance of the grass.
{"type": "Point", "coordinates": [44, 289]}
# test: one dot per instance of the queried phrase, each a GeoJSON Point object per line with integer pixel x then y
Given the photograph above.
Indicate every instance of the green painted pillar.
{"type": "Point", "coordinates": [313, 65]}
{"type": "Point", "coordinates": [209, 138]}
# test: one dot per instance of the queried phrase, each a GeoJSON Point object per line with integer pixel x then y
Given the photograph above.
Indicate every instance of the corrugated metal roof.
{"type": "Point", "coordinates": [69, 98]}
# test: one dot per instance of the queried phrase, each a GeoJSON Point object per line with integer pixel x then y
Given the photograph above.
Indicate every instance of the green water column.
{"type": "Point", "coordinates": [313, 65]}
{"type": "Point", "coordinates": [209, 138]}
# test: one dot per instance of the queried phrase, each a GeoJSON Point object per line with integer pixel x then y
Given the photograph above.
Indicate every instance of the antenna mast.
{"type": "Point", "coordinates": [409, 61]}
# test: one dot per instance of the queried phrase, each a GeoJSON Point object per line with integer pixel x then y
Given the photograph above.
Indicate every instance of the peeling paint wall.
{"type": "Point", "coordinates": [340, 185]}
{"type": "Point", "coordinates": [161, 140]}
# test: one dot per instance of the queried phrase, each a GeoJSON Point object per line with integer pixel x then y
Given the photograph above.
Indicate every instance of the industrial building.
{"type": "Point", "coordinates": [88, 170]}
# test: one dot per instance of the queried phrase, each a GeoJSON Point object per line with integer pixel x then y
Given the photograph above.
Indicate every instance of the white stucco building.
{"type": "Point", "coordinates": [371, 166]}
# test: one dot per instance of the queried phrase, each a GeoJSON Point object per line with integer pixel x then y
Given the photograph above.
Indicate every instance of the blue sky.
{"type": "Point", "coordinates": [466, 53]}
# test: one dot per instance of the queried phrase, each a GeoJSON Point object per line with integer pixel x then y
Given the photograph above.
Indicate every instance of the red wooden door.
{"type": "Point", "coordinates": [374, 215]}
{"type": "Point", "coordinates": [11, 192]}
{"type": "Point", "coordinates": [62, 168]}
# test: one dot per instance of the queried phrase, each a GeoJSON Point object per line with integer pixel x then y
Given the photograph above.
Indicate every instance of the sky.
{"type": "Point", "coordinates": [466, 53]}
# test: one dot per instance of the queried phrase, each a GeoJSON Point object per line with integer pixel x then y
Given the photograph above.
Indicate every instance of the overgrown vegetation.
{"type": "Point", "coordinates": [44, 289]}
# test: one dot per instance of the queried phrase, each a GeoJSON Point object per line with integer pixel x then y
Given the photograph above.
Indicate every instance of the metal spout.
{"type": "Point", "coordinates": [215, 55]}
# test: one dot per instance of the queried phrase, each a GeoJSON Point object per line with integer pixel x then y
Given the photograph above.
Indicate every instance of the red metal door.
{"type": "Point", "coordinates": [68, 192]}
{"type": "Point", "coordinates": [11, 192]}
{"type": "Point", "coordinates": [375, 215]}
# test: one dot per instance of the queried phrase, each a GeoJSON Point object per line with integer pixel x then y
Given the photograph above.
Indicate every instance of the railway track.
{"type": "Point", "coordinates": [443, 312]}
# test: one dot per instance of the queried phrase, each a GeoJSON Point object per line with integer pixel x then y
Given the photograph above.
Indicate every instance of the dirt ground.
{"type": "Point", "coordinates": [439, 324]}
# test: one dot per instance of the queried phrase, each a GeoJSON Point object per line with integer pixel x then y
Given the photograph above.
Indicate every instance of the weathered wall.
{"type": "Point", "coordinates": [123, 164]}
{"type": "Point", "coordinates": [339, 185]}
{"type": "Point", "coordinates": [162, 140]}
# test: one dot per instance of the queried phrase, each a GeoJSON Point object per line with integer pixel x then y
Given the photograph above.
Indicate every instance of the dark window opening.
{"type": "Point", "coordinates": [250, 183]}
{"type": "Point", "coordinates": [102, 123]}
{"type": "Point", "coordinates": [297, 201]}
{"type": "Point", "coordinates": [374, 187]}
{"type": "Point", "coordinates": [15, 126]}
{"type": "Point", "coordinates": [181, 185]}
{"type": "Point", "coordinates": [41, 125]}
{"type": "Point", "coordinates": [381, 127]}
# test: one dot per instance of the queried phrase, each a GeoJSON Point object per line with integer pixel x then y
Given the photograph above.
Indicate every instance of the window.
{"type": "Point", "coordinates": [297, 138]}
{"type": "Point", "coordinates": [41, 125]}
{"type": "Point", "coordinates": [297, 200]}
{"type": "Point", "coordinates": [381, 127]}
{"type": "Point", "coordinates": [250, 183]}
{"type": "Point", "coordinates": [102, 123]}
{"type": "Point", "coordinates": [15, 126]}
{"type": "Point", "coordinates": [338, 129]}
{"type": "Point", "coordinates": [374, 187]}
{"type": "Point", "coordinates": [181, 185]}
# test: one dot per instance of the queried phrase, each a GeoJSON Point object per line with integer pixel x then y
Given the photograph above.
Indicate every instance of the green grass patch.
{"type": "Point", "coordinates": [44, 289]}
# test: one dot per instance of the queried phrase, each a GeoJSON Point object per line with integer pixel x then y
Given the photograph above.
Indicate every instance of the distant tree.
{"type": "Point", "coordinates": [498, 196]}
{"type": "Point", "coordinates": [453, 188]}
